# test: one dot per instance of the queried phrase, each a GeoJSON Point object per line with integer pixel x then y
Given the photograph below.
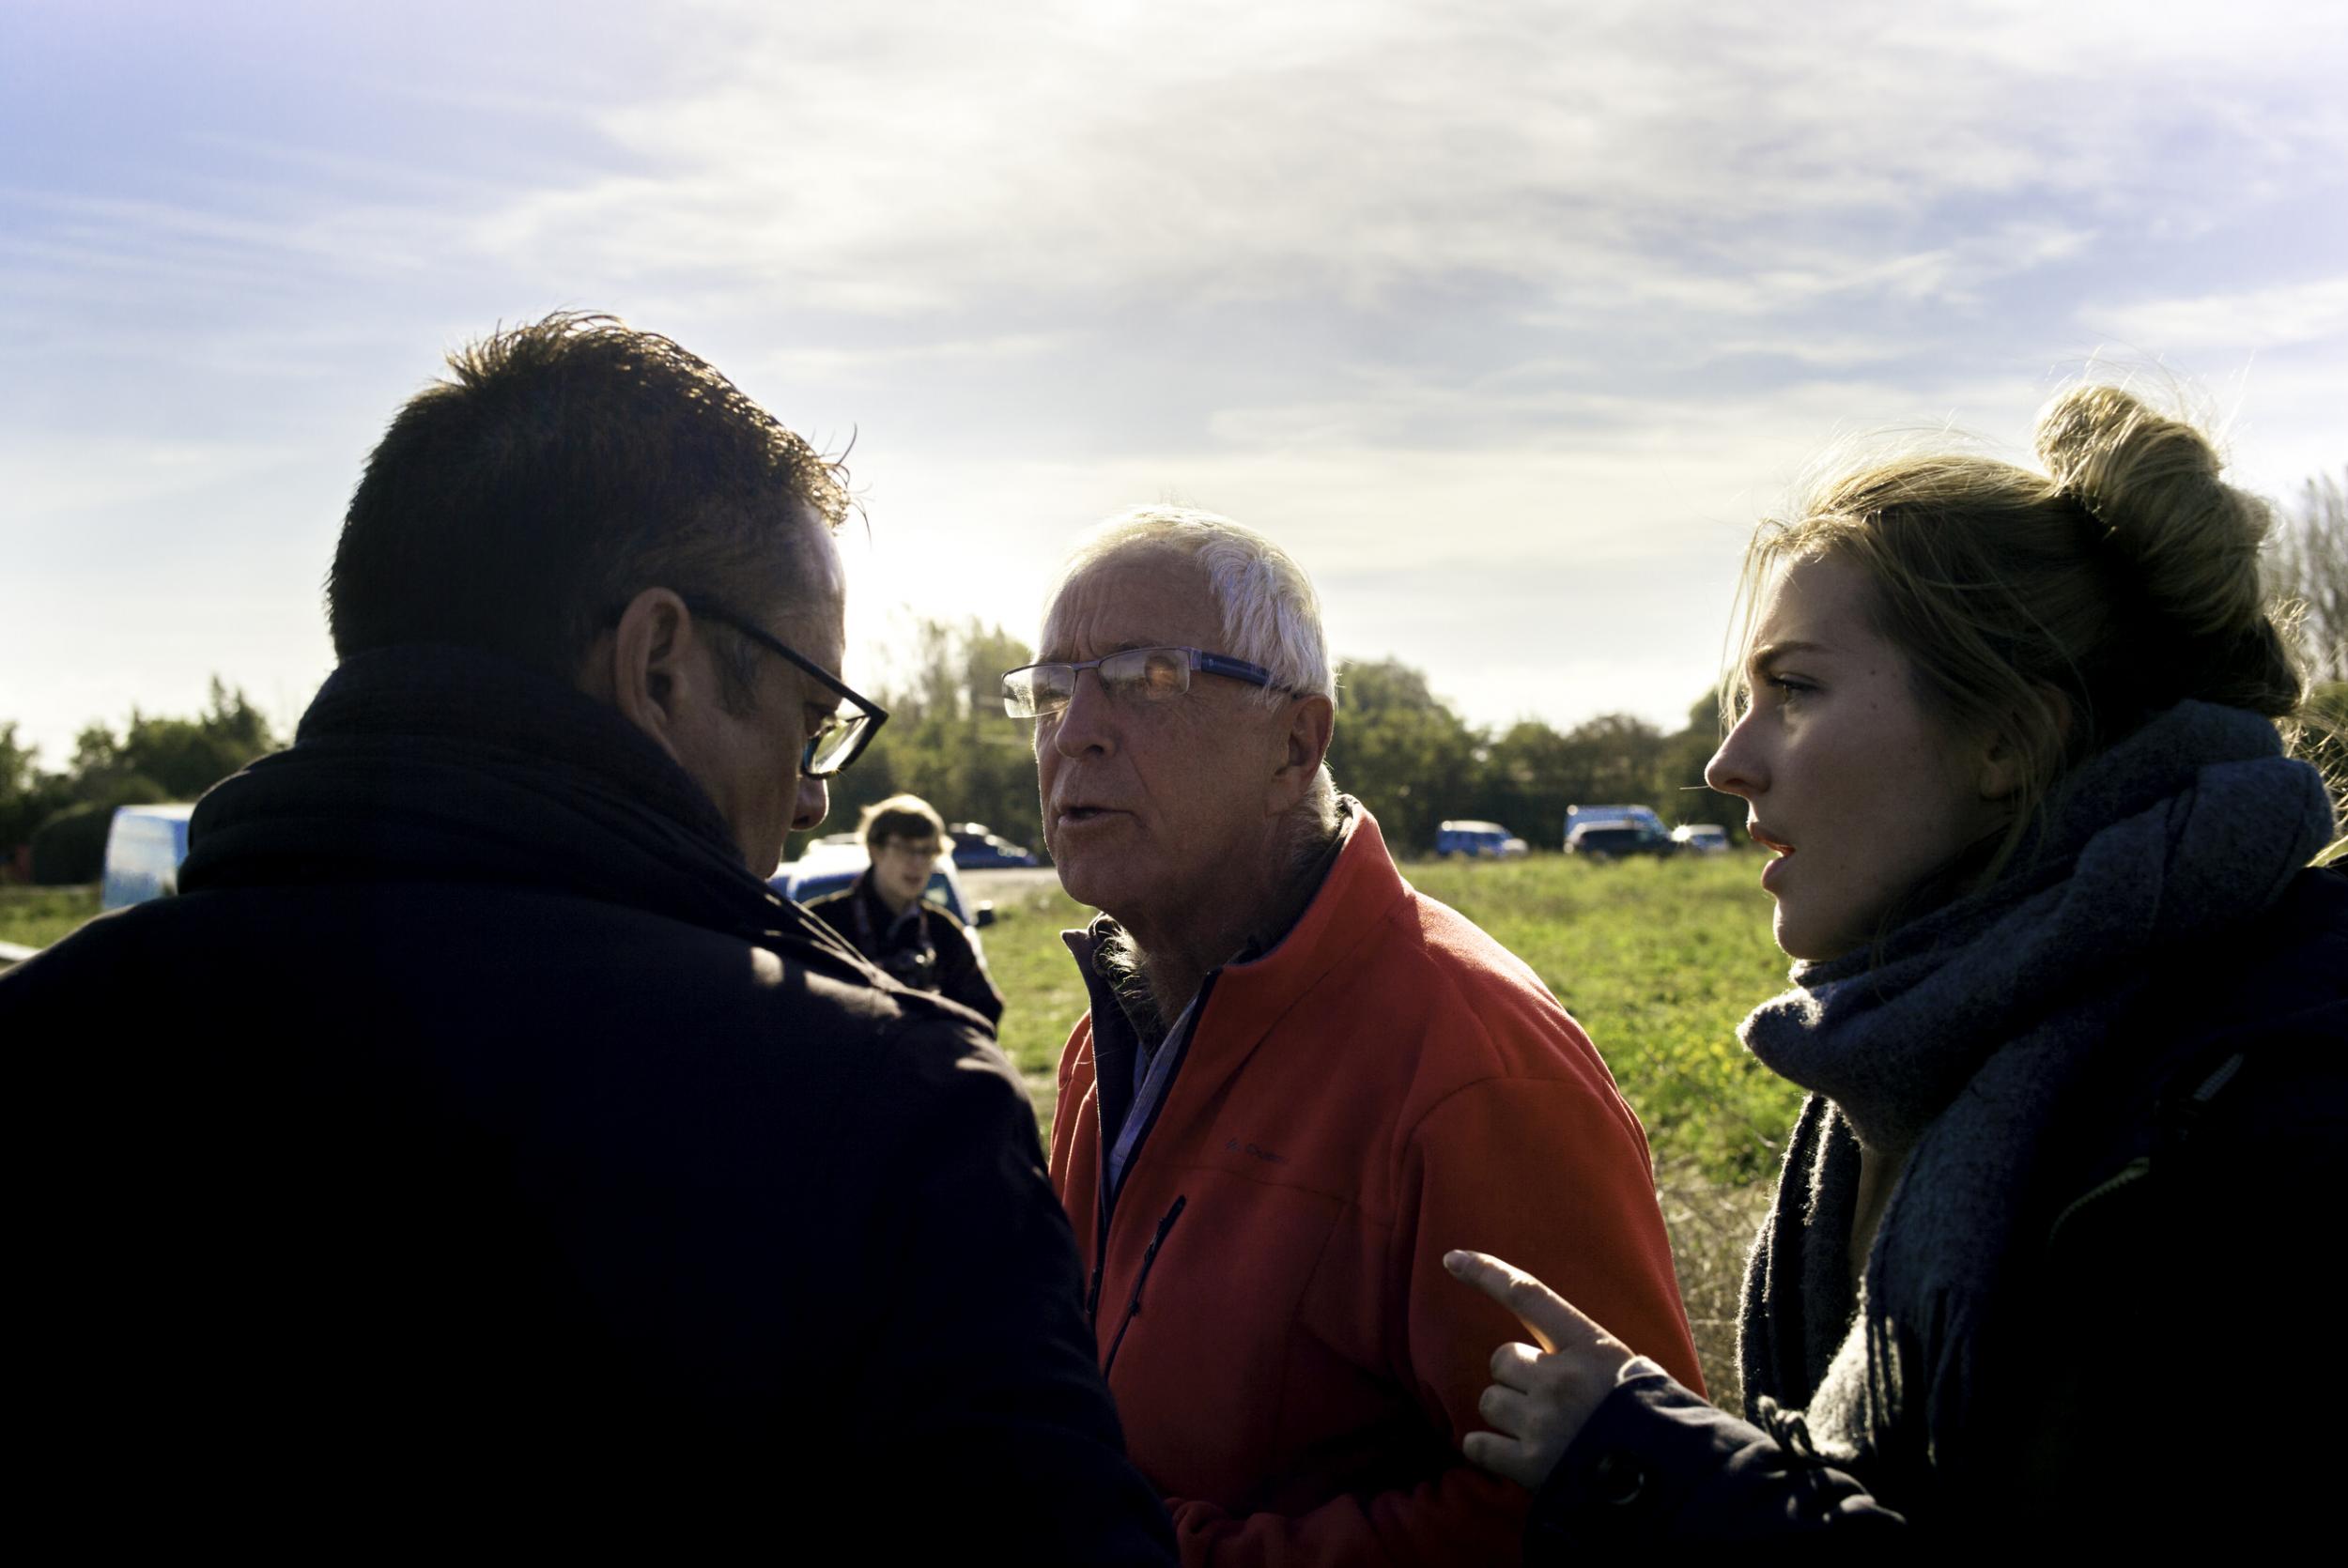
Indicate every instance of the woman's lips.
{"type": "Point", "coordinates": [1775, 872]}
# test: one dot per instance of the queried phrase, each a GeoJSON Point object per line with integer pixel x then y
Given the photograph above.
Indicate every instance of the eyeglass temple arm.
{"type": "Point", "coordinates": [1238, 670]}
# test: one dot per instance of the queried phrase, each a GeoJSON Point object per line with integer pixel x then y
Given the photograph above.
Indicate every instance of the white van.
{"type": "Point", "coordinates": [144, 845]}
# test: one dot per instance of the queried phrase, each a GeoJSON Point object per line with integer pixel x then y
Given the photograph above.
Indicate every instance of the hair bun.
{"type": "Point", "coordinates": [2183, 543]}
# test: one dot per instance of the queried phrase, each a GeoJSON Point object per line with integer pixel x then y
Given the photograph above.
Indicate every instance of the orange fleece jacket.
{"type": "Point", "coordinates": [1387, 1083]}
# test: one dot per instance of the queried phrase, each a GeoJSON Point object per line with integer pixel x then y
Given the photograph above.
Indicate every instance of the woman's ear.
{"type": "Point", "coordinates": [2004, 766]}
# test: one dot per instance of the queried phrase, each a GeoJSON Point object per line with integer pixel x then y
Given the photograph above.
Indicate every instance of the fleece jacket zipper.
{"type": "Point", "coordinates": [1149, 1261]}
{"type": "Point", "coordinates": [1104, 1203]}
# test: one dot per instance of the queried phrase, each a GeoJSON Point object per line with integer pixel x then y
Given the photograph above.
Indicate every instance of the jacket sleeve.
{"type": "Point", "coordinates": [2108, 1408]}
{"type": "Point", "coordinates": [1553, 1175]}
{"type": "Point", "coordinates": [988, 1383]}
{"type": "Point", "coordinates": [1658, 1463]}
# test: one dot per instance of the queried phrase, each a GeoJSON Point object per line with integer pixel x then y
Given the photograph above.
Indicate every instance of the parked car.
{"type": "Point", "coordinates": [1701, 838]}
{"type": "Point", "coordinates": [977, 848]}
{"type": "Point", "coordinates": [828, 867]}
{"type": "Point", "coordinates": [1619, 840]}
{"type": "Point", "coordinates": [144, 845]}
{"type": "Point", "coordinates": [1478, 841]}
{"type": "Point", "coordinates": [1580, 819]}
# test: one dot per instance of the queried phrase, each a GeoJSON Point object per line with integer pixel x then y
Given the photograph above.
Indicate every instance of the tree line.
{"type": "Point", "coordinates": [53, 824]}
{"type": "Point", "coordinates": [1404, 751]}
{"type": "Point", "coordinates": [1414, 762]}
{"type": "Point", "coordinates": [1401, 749]}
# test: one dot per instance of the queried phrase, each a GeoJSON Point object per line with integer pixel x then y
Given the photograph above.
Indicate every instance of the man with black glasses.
{"type": "Point", "coordinates": [1299, 1085]}
{"type": "Point", "coordinates": [478, 1143]}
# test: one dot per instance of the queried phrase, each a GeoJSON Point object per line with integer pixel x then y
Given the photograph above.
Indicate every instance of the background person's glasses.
{"type": "Point", "coordinates": [1148, 675]}
{"type": "Point", "coordinates": [844, 733]}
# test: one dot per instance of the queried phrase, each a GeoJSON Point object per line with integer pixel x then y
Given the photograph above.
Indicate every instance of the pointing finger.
{"type": "Point", "coordinates": [1547, 1315]}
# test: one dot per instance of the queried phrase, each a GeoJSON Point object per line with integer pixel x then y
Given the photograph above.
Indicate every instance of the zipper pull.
{"type": "Point", "coordinates": [1158, 1238]}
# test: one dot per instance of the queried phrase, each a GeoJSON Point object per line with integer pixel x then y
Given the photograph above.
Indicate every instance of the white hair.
{"type": "Point", "coordinates": [1270, 615]}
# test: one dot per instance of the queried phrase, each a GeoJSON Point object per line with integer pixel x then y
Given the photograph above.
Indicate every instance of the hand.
{"type": "Point", "coordinates": [1539, 1400]}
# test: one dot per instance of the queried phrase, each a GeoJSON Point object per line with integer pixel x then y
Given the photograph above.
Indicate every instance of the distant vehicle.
{"type": "Point", "coordinates": [1620, 842]}
{"type": "Point", "coordinates": [828, 868]}
{"type": "Point", "coordinates": [979, 848]}
{"type": "Point", "coordinates": [1701, 838]}
{"type": "Point", "coordinates": [1479, 841]}
{"type": "Point", "coordinates": [144, 845]}
{"type": "Point", "coordinates": [1585, 818]}
{"type": "Point", "coordinates": [1613, 832]}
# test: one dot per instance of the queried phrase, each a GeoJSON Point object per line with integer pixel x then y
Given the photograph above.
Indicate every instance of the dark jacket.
{"type": "Point", "coordinates": [474, 1144]}
{"type": "Point", "coordinates": [2154, 1374]}
{"type": "Point", "coordinates": [924, 949]}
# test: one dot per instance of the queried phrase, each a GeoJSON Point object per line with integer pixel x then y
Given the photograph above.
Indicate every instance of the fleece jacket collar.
{"type": "Point", "coordinates": [1240, 1001]}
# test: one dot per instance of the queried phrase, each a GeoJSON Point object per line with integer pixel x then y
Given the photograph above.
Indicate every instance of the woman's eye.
{"type": "Point", "coordinates": [1789, 687]}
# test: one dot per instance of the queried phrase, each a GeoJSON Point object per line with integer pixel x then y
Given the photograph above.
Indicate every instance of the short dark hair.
{"type": "Point", "coordinates": [900, 817]}
{"type": "Point", "coordinates": [566, 467]}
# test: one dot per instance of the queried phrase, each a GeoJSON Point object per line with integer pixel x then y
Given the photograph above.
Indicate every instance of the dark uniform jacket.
{"type": "Point", "coordinates": [925, 948]}
{"type": "Point", "coordinates": [476, 1151]}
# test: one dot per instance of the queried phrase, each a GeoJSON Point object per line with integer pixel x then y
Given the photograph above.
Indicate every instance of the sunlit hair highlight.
{"type": "Point", "coordinates": [2050, 612]}
{"type": "Point", "coordinates": [559, 469]}
{"type": "Point", "coordinates": [1270, 615]}
{"type": "Point", "coordinates": [899, 817]}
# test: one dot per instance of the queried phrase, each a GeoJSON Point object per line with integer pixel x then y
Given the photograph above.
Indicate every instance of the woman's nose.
{"type": "Point", "coordinates": [1733, 769]}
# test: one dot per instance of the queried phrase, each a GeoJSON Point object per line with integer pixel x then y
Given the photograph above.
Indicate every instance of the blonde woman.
{"type": "Point", "coordinates": [2071, 1007]}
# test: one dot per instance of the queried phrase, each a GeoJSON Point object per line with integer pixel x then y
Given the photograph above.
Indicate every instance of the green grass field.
{"type": "Point", "coordinates": [37, 916]}
{"type": "Point", "coordinates": [1658, 960]}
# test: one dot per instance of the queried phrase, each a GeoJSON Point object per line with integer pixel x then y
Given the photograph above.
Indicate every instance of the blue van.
{"type": "Point", "coordinates": [144, 845]}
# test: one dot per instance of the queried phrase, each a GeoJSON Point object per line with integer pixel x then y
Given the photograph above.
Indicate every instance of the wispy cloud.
{"type": "Point", "coordinates": [1419, 285]}
{"type": "Point", "coordinates": [2279, 316]}
{"type": "Point", "coordinates": [1716, 160]}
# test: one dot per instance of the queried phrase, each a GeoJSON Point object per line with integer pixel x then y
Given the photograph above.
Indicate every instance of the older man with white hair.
{"type": "Point", "coordinates": [1299, 1082]}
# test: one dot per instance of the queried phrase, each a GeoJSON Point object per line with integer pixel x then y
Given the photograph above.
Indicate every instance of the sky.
{"type": "Point", "coordinates": [1507, 319]}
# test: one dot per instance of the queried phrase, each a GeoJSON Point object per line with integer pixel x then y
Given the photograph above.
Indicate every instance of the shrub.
{"type": "Point", "coordinates": [70, 846]}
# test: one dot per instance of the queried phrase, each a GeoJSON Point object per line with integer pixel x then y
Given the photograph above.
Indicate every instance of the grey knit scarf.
{"type": "Point", "coordinates": [1955, 1040]}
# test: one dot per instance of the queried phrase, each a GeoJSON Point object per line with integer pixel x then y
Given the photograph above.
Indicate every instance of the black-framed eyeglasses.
{"type": "Point", "coordinates": [846, 732]}
{"type": "Point", "coordinates": [1145, 674]}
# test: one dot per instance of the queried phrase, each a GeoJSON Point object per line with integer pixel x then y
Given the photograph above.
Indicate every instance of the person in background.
{"type": "Point", "coordinates": [478, 1148]}
{"type": "Point", "coordinates": [883, 912]}
{"type": "Point", "coordinates": [2072, 1007]}
{"type": "Point", "coordinates": [1299, 1084]}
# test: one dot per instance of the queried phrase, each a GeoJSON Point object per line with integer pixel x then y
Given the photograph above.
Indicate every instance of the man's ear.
{"type": "Point", "coordinates": [1311, 721]}
{"type": "Point", "coordinates": [649, 678]}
